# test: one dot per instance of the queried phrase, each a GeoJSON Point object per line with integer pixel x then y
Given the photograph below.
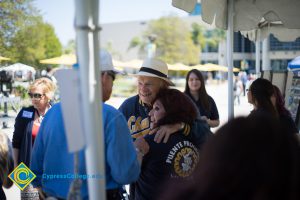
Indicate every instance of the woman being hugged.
{"type": "Point", "coordinates": [27, 124]}
{"type": "Point", "coordinates": [174, 160]}
{"type": "Point", "coordinates": [195, 89]}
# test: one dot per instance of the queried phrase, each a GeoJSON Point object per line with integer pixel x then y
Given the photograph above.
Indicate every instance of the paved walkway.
{"type": "Point", "coordinates": [217, 91]}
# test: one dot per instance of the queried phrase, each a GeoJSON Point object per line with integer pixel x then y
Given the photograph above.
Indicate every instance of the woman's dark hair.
{"type": "Point", "coordinates": [248, 158]}
{"type": "Point", "coordinates": [178, 107]}
{"type": "Point", "coordinates": [203, 96]}
{"type": "Point", "coordinates": [262, 91]}
{"type": "Point", "coordinates": [280, 102]}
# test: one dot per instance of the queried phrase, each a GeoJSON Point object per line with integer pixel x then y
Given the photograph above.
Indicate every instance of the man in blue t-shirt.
{"type": "Point", "coordinates": [52, 163]}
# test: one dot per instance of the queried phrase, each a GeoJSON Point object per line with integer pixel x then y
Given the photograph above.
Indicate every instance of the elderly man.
{"type": "Point", "coordinates": [152, 77]}
{"type": "Point", "coordinates": [50, 154]}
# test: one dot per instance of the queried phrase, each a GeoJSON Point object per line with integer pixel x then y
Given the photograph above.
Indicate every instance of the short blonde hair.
{"type": "Point", "coordinates": [47, 86]}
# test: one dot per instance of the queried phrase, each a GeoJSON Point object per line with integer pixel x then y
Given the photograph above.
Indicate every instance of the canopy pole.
{"type": "Point", "coordinates": [266, 64]}
{"type": "Point", "coordinates": [230, 57]}
{"type": "Point", "coordinates": [87, 38]}
{"type": "Point", "coordinates": [257, 52]}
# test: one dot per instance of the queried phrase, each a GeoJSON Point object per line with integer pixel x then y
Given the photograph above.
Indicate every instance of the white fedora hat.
{"type": "Point", "coordinates": [155, 68]}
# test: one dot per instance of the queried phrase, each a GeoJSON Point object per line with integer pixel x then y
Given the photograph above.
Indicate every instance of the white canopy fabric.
{"type": "Point", "coordinates": [248, 14]}
{"type": "Point", "coordinates": [244, 15]}
{"type": "Point", "coordinates": [279, 31]}
{"type": "Point", "coordinates": [18, 67]}
{"type": "Point", "coordinates": [294, 65]}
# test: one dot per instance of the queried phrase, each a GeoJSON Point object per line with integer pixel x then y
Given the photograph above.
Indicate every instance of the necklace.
{"type": "Point", "coordinates": [40, 117]}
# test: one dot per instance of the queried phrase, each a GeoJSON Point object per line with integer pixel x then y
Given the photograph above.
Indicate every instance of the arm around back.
{"type": "Point", "coordinates": [120, 151]}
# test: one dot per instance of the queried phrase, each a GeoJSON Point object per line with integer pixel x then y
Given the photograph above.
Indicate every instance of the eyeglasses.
{"type": "Point", "coordinates": [35, 95]}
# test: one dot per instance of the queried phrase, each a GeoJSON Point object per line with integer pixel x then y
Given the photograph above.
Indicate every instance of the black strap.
{"type": "Point", "coordinates": [153, 71]}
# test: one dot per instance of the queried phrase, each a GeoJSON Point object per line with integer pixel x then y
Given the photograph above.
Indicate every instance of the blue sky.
{"type": "Point", "coordinates": [60, 13]}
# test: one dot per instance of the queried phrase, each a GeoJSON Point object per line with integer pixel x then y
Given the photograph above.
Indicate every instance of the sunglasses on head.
{"type": "Point", "coordinates": [35, 95]}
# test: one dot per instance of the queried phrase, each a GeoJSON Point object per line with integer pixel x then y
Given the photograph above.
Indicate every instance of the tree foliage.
{"type": "Point", "coordinates": [173, 40]}
{"type": "Point", "coordinates": [35, 42]}
{"type": "Point", "coordinates": [206, 38]}
{"type": "Point", "coordinates": [24, 37]}
{"type": "Point", "coordinates": [70, 48]}
{"type": "Point", "coordinates": [14, 14]}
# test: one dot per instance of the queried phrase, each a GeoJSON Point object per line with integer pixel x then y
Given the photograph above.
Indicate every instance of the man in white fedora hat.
{"type": "Point", "coordinates": [152, 77]}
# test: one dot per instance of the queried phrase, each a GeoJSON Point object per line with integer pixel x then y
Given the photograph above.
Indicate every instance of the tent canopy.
{"type": "Point", "coordinates": [66, 59]}
{"type": "Point", "coordinates": [4, 58]}
{"type": "Point", "coordinates": [294, 64]}
{"type": "Point", "coordinates": [18, 67]}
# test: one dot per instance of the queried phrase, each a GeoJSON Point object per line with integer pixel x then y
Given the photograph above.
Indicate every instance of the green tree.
{"type": "Point", "coordinates": [35, 42]}
{"type": "Point", "coordinates": [214, 37]}
{"type": "Point", "coordinates": [173, 41]}
{"type": "Point", "coordinates": [207, 38]}
{"type": "Point", "coordinates": [14, 15]}
{"type": "Point", "coordinates": [139, 43]}
{"type": "Point", "coordinates": [198, 35]}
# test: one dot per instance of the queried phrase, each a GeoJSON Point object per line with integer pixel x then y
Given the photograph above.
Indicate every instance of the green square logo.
{"type": "Point", "coordinates": [22, 176]}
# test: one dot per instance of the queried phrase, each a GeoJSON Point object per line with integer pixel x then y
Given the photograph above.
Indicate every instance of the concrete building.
{"type": "Point", "coordinates": [116, 37]}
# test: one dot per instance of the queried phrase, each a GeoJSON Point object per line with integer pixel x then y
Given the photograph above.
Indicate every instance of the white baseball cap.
{"type": "Point", "coordinates": [106, 63]}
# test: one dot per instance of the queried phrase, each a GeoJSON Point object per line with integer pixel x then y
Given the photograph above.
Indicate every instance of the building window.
{"type": "Point", "coordinates": [242, 44]}
{"type": "Point", "coordinates": [279, 65]}
{"type": "Point", "coordinates": [276, 45]}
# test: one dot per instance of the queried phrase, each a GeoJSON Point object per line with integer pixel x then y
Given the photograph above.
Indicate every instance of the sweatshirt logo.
{"type": "Point", "coordinates": [138, 126]}
{"type": "Point", "coordinates": [183, 158]}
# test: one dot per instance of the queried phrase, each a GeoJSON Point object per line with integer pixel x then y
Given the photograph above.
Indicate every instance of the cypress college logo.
{"type": "Point", "coordinates": [22, 176]}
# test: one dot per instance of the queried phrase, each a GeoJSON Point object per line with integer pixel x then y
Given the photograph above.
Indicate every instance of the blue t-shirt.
{"type": "Point", "coordinates": [50, 154]}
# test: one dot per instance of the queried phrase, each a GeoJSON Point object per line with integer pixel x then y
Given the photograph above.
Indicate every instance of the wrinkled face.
{"type": "Point", "coordinates": [38, 98]}
{"type": "Point", "coordinates": [148, 88]}
{"type": "Point", "coordinates": [107, 84]}
{"type": "Point", "coordinates": [194, 82]}
{"type": "Point", "coordinates": [158, 111]}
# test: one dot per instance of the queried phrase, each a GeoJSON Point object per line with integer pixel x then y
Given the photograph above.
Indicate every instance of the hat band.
{"type": "Point", "coordinates": [153, 71]}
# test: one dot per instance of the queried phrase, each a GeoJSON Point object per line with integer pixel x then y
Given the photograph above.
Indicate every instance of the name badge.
{"type": "Point", "coordinates": [27, 114]}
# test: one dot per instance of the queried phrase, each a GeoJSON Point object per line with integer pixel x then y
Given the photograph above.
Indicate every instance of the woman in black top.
{"type": "Point", "coordinates": [195, 89]}
{"type": "Point", "coordinates": [175, 159]}
{"type": "Point", "coordinates": [262, 96]}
